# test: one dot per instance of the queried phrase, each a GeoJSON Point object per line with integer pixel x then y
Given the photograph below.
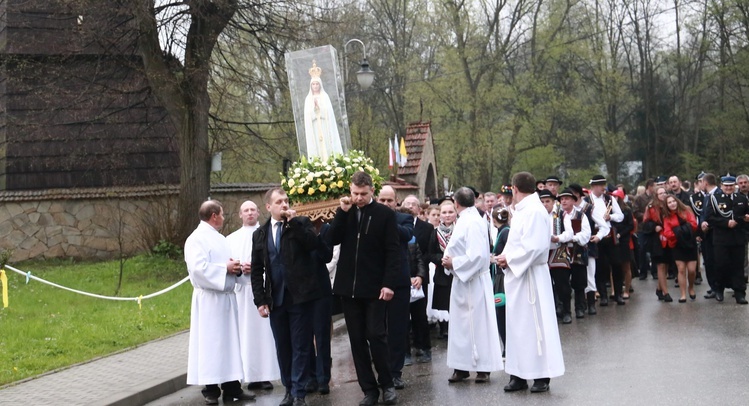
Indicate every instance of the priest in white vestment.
{"type": "Point", "coordinates": [533, 348]}
{"type": "Point", "coordinates": [473, 341]}
{"type": "Point", "coordinates": [259, 359]}
{"type": "Point", "coordinates": [214, 352]}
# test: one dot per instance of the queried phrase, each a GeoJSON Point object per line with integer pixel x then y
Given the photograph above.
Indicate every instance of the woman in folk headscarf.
{"type": "Point", "coordinates": [442, 280]}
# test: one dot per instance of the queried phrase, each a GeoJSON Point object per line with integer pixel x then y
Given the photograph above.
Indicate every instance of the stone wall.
{"type": "Point", "coordinates": [100, 223]}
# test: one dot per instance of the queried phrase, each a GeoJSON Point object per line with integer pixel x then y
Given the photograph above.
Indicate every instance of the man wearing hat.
{"type": "Point", "coordinates": [594, 221]}
{"type": "Point", "coordinates": [726, 214]}
{"type": "Point", "coordinates": [575, 234]}
{"type": "Point", "coordinates": [608, 262]}
{"type": "Point", "coordinates": [660, 181]}
{"type": "Point", "coordinates": [505, 195]}
{"type": "Point", "coordinates": [552, 184]}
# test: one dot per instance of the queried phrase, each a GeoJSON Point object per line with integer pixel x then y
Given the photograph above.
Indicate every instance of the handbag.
{"type": "Point", "coordinates": [685, 238]}
{"type": "Point", "coordinates": [560, 258]}
{"type": "Point", "coordinates": [417, 294]}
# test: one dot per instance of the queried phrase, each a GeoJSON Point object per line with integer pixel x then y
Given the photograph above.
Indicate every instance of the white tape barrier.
{"type": "Point", "coordinates": [133, 299]}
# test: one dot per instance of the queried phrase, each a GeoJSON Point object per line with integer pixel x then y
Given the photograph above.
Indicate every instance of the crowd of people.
{"type": "Point", "coordinates": [494, 273]}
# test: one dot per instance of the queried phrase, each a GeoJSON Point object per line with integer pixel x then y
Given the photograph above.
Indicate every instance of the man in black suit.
{"type": "Point", "coordinates": [422, 341]}
{"type": "Point", "coordinates": [397, 308]}
{"type": "Point", "coordinates": [368, 270]}
{"type": "Point", "coordinates": [284, 283]}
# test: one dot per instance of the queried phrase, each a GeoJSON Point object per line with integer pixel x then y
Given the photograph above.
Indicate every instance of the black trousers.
{"type": "Point", "coordinates": [708, 255]}
{"type": "Point", "coordinates": [608, 263]}
{"type": "Point", "coordinates": [398, 320]}
{"type": "Point", "coordinates": [567, 279]}
{"type": "Point", "coordinates": [419, 324]}
{"type": "Point", "coordinates": [320, 360]}
{"type": "Point", "coordinates": [230, 388]}
{"type": "Point", "coordinates": [643, 242]}
{"type": "Point", "coordinates": [366, 321]}
{"type": "Point", "coordinates": [292, 331]}
{"type": "Point", "coordinates": [729, 266]}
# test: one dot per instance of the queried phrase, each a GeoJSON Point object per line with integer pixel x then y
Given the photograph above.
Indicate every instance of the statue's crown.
{"type": "Point", "coordinates": [315, 70]}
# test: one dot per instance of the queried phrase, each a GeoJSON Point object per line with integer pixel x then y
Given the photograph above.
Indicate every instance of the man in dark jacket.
{"type": "Point", "coordinates": [283, 254]}
{"type": "Point", "coordinates": [368, 271]}
{"type": "Point", "coordinates": [397, 309]}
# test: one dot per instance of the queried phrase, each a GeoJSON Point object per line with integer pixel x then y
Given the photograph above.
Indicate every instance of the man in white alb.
{"type": "Point", "coordinates": [473, 343]}
{"type": "Point", "coordinates": [214, 354]}
{"type": "Point", "coordinates": [533, 348]}
{"type": "Point", "coordinates": [259, 359]}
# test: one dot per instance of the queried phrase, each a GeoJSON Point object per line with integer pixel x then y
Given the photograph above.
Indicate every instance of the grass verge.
{"type": "Point", "coordinates": [45, 328]}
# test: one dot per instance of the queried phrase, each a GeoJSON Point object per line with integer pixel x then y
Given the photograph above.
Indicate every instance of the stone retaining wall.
{"type": "Point", "coordinates": [99, 223]}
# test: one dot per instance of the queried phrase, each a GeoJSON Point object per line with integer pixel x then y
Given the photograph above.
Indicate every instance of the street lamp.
{"type": "Point", "coordinates": [364, 76]}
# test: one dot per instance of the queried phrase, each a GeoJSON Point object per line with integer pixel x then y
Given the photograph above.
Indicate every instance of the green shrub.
{"type": "Point", "coordinates": [167, 249]}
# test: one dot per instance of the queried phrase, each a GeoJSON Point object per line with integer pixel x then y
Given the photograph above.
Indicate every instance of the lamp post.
{"type": "Point", "coordinates": [364, 76]}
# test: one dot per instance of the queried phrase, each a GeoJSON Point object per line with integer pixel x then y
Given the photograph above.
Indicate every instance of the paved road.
{"type": "Point", "coordinates": [646, 352]}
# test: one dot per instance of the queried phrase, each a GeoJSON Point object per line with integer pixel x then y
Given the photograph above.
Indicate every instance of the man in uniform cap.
{"type": "Point", "coordinates": [660, 181]}
{"type": "Point", "coordinates": [727, 215]}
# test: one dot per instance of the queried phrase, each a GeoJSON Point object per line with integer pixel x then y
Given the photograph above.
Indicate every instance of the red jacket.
{"type": "Point", "coordinates": [672, 221]}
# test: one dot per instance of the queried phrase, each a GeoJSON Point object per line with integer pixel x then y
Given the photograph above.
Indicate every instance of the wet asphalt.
{"type": "Point", "coordinates": [645, 352]}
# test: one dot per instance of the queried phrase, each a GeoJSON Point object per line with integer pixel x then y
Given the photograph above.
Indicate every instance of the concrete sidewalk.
{"type": "Point", "coordinates": [128, 378]}
{"type": "Point", "coordinates": [131, 377]}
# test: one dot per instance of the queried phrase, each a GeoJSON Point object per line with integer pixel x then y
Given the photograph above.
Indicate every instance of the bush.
{"type": "Point", "coordinates": [167, 249]}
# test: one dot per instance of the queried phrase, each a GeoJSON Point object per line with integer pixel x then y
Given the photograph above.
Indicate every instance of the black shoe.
{"type": "Point", "coordinates": [579, 314]}
{"type": "Point", "coordinates": [710, 295]}
{"type": "Point", "coordinates": [620, 300]}
{"type": "Point", "coordinates": [693, 297]}
{"type": "Point", "coordinates": [389, 397]}
{"type": "Point", "coordinates": [676, 285]}
{"type": "Point", "coordinates": [655, 276]}
{"type": "Point", "coordinates": [643, 276]}
{"type": "Point", "coordinates": [719, 296]}
{"type": "Point", "coordinates": [566, 319]}
{"type": "Point", "coordinates": [311, 386]}
{"type": "Point", "coordinates": [540, 385]}
{"type": "Point", "coordinates": [591, 303]}
{"type": "Point", "coordinates": [299, 402]}
{"type": "Point", "coordinates": [604, 301]}
{"type": "Point", "coordinates": [741, 300]}
{"type": "Point", "coordinates": [255, 385]}
{"type": "Point", "coordinates": [324, 388]}
{"type": "Point", "coordinates": [288, 400]}
{"type": "Point", "coordinates": [516, 384]}
{"type": "Point", "coordinates": [426, 356]}
{"type": "Point", "coordinates": [211, 400]}
{"type": "Point", "coordinates": [667, 298]}
{"type": "Point", "coordinates": [659, 293]}
{"type": "Point", "coordinates": [482, 377]}
{"type": "Point", "coordinates": [458, 376]}
{"type": "Point", "coordinates": [241, 396]}
{"type": "Point", "coordinates": [684, 300]}
{"type": "Point", "coordinates": [266, 385]}
{"type": "Point", "coordinates": [370, 399]}
{"type": "Point", "coordinates": [398, 383]}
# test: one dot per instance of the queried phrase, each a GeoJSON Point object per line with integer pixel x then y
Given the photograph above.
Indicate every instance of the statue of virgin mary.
{"type": "Point", "coordinates": [320, 127]}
